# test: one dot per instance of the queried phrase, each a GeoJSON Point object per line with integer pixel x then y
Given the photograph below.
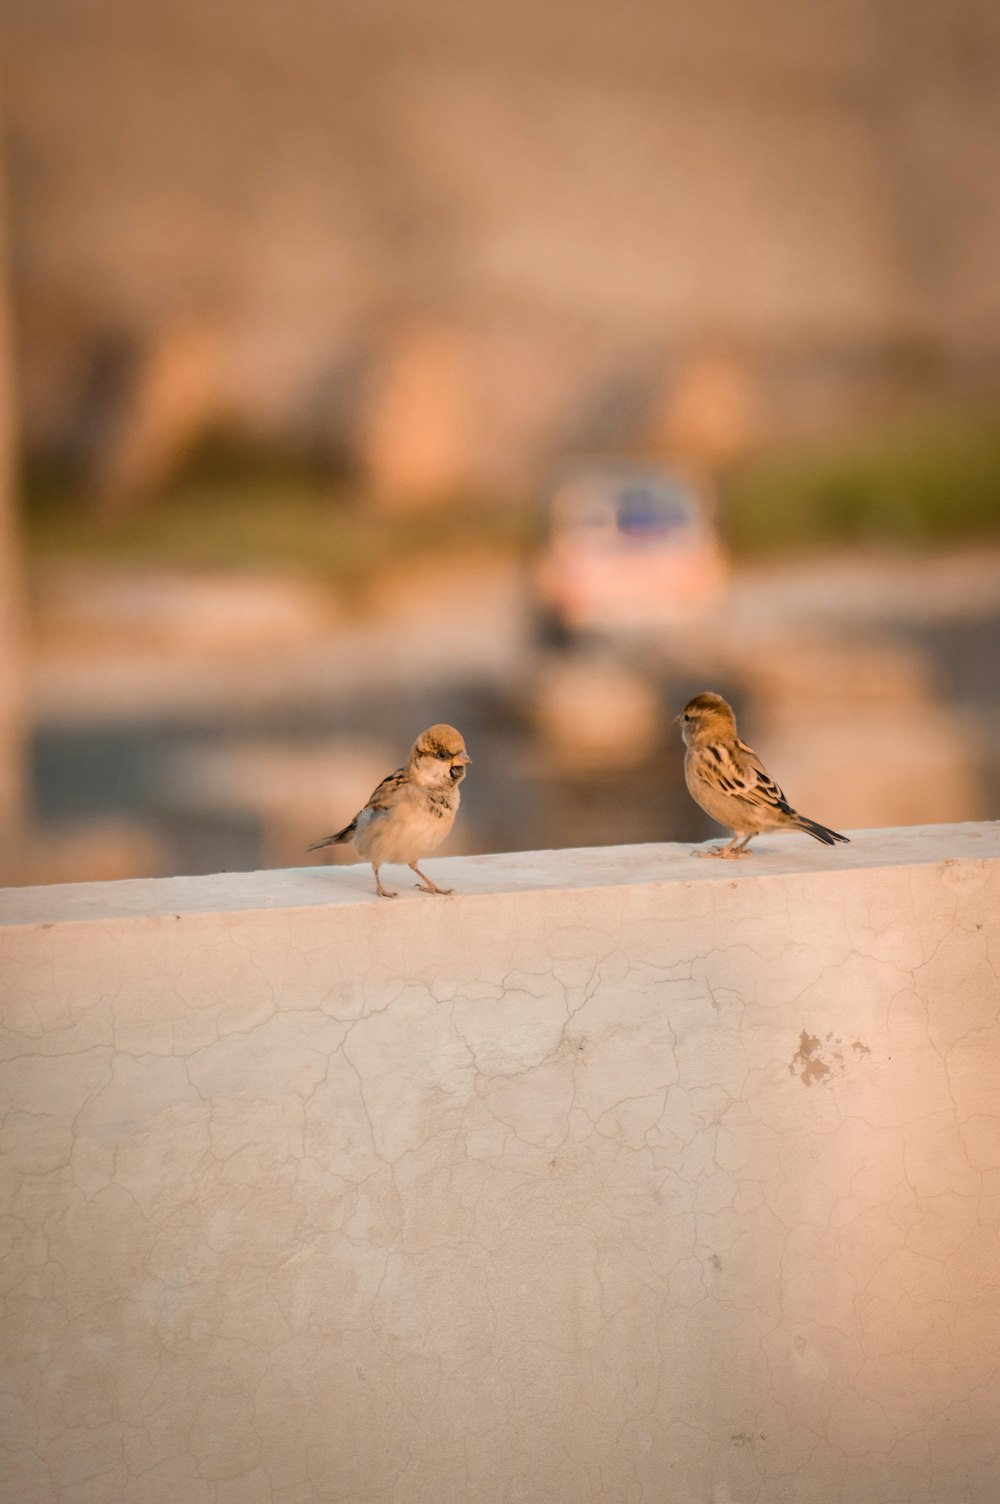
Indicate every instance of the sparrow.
{"type": "Point", "coordinates": [729, 781]}
{"type": "Point", "coordinates": [412, 810]}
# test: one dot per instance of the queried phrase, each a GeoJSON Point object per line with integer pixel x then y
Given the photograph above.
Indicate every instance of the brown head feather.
{"type": "Point", "coordinates": [440, 739]}
{"type": "Point", "coordinates": [708, 704]}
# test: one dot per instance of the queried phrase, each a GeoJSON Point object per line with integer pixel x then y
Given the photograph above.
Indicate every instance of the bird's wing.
{"type": "Point", "coordinates": [388, 791]}
{"type": "Point", "coordinates": [381, 801]}
{"type": "Point", "coordinates": [735, 770]}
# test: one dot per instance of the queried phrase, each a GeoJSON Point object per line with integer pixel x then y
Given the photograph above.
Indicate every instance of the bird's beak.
{"type": "Point", "coordinates": [463, 757]}
{"type": "Point", "coordinates": [678, 718]}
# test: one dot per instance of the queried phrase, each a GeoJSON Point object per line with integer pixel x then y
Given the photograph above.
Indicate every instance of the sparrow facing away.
{"type": "Point", "coordinates": [729, 781]}
{"type": "Point", "coordinates": [412, 810]}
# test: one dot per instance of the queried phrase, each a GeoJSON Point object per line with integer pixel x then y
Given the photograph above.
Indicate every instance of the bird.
{"type": "Point", "coordinates": [412, 810]}
{"type": "Point", "coordinates": [729, 781]}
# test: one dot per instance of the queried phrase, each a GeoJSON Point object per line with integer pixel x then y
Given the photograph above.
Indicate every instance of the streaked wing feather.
{"type": "Point", "coordinates": [763, 788]}
{"type": "Point", "coordinates": [379, 803]}
{"type": "Point", "coordinates": [734, 769]}
{"type": "Point", "coordinates": [383, 797]}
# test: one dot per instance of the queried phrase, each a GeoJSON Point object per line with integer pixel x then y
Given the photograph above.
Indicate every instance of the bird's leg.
{"type": "Point", "coordinates": [427, 886]}
{"type": "Point", "coordinates": [744, 845]}
{"type": "Point", "coordinates": [382, 892]}
{"type": "Point", "coordinates": [726, 851]}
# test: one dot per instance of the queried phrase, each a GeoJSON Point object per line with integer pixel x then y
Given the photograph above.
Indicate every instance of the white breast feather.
{"type": "Point", "coordinates": [407, 831]}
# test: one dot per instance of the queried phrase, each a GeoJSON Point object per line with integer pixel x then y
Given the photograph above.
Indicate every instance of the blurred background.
{"type": "Point", "coordinates": [366, 363]}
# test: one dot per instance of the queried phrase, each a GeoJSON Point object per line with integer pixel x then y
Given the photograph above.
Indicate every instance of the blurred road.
{"type": "Point", "coordinates": [230, 721]}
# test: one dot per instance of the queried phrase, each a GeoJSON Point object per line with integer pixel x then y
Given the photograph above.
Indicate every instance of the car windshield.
{"type": "Point", "coordinates": [645, 510]}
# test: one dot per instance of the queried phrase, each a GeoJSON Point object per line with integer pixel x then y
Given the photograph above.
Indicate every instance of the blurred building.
{"type": "Point", "coordinates": [440, 244]}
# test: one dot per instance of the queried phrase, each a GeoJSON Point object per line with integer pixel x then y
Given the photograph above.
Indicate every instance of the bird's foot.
{"type": "Point", "coordinates": [385, 892]}
{"type": "Point", "coordinates": [726, 853]}
{"type": "Point", "coordinates": [427, 884]}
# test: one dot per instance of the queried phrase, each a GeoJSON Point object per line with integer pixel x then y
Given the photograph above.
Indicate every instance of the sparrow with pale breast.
{"type": "Point", "coordinates": [412, 810]}
{"type": "Point", "coordinates": [729, 781]}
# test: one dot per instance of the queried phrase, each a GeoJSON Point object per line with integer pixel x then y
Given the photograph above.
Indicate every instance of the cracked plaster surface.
{"type": "Point", "coordinates": [609, 1179]}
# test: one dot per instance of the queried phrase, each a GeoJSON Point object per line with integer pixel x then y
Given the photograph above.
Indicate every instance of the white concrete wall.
{"type": "Point", "coordinates": [617, 1177]}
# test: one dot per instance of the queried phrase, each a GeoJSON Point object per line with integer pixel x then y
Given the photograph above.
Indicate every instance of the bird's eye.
{"type": "Point", "coordinates": [444, 756]}
{"type": "Point", "coordinates": [686, 716]}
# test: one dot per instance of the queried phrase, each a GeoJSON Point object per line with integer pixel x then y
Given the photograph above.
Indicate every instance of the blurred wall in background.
{"type": "Point", "coordinates": [442, 243]}
{"type": "Point", "coordinates": [286, 276]}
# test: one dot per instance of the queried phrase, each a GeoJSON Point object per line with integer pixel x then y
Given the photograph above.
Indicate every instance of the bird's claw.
{"type": "Point", "coordinates": [431, 888]}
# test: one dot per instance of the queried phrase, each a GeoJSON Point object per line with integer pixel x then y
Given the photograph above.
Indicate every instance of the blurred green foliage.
{"type": "Point", "coordinates": [914, 483]}
{"type": "Point", "coordinates": [280, 517]}
{"type": "Point", "coordinates": [917, 484]}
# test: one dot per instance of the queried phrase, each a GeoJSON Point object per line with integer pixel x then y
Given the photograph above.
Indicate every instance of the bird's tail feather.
{"type": "Point", "coordinates": [819, 832]}
{"type": "Point", "coordinates": [346, 834]}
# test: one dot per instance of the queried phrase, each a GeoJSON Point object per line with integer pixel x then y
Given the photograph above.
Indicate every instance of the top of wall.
{"type": "Point", "coordinates": [477, 877]}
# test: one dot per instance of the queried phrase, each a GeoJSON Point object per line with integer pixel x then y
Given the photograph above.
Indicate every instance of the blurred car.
{"type": "Point", "coordinates": [628, 550]}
